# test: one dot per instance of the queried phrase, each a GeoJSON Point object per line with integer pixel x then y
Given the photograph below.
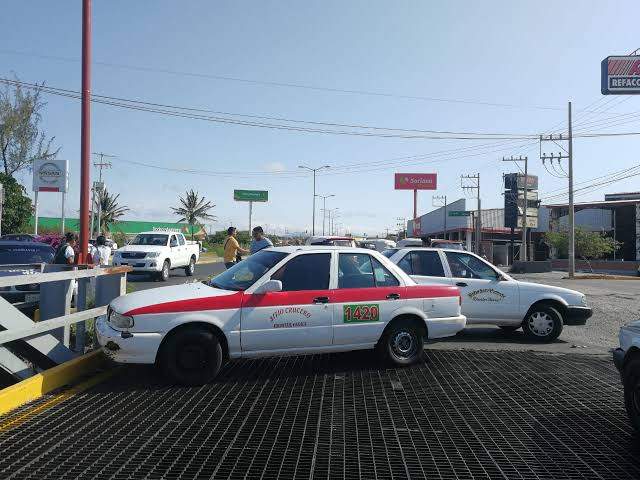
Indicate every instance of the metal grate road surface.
{"type": "Point", "coordinates": [460, 415]}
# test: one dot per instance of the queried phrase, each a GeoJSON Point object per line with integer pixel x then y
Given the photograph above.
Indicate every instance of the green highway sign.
{"type": "Point", "coordinates": [460, 213]}
{"type": "Point", "coordinates": [251, 195]}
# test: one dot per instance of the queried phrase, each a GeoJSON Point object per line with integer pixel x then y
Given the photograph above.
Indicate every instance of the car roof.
{"type": "Point", "coordinates": [320, 248]}
{"type": "Point", "coordinates": [17, 243]}
{"type": "Point", "coordinates": [434, 249]}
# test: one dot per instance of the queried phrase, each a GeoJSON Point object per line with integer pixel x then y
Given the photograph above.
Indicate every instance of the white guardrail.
{"type": "Point", "coordinates": [51, 336]}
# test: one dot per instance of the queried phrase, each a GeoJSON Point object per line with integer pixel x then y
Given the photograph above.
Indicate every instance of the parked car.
{"type": "Point", "coordinates": [331, 240]}
{"type": "Point", "coordinates": [281, 300]}
{"type": "Point", "coordinates": [22, 258]}
{"type": "Point", "coordinates": [450, 244]}
{"type": "Point", "coordinates": [381, 244]}
{"type": "Point", "coordinates": [158, 253]}
{"type": "Point", "coordinates": [490, 296]}
{"type": "Point", "coordinates": [409, 242]}
{"type": "Point", "coordinates": [19, 237]}
{"type": "Point", "coordinates": [627, 359]}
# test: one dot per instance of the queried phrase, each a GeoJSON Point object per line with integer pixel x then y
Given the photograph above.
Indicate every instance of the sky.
{"type": "Point", "coordinates": [437, 65]}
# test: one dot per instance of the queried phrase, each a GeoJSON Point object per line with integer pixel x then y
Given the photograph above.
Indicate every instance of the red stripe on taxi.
{"type": "Point", "coordinates": [304, 297]}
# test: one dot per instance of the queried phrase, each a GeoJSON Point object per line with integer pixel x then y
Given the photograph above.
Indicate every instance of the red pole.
{"type": "Point", "coordinates": [85, 130]}
{"type": "Point", "coordinates": [415, 204]}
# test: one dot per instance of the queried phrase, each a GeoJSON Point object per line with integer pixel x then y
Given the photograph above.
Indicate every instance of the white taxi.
{"type": "Point", "coordinates": [490, 296]}
{"type": "Point", "coordinates": [286, 300]}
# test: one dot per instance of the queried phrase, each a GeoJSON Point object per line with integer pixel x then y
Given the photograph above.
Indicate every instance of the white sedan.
{"type": "Point", "coordinates": [286, 300]}
{"type": "Point", "coordinates": [627, 360]}
{"type": "Point", "coordinates": [490, 296]}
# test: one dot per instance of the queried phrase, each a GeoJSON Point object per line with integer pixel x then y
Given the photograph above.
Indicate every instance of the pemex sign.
{"type": "Point", "coordinates": [416, 181]}
{"type": "Point", "coordinates": [620, 75]}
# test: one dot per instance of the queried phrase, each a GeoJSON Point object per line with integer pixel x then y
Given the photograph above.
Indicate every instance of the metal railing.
{"type": "Point", "coordinates": [24, 342]}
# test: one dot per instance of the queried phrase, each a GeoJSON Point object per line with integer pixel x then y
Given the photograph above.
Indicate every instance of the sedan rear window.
{"type": "Point", "coordinates": [22, 254]}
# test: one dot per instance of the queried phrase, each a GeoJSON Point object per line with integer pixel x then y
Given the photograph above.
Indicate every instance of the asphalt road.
{"type": "Point", "coordinates": [203, 271]}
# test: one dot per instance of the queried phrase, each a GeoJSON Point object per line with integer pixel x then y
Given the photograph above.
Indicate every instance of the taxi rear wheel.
{"type": "Point", "coordinates": [631, 381]}
{"type": "Point", "coordinates": [192, 356]}
{"type": "Point", "coordinates": [403, 342]}
{"type": "Point", "coordinates": [543, 323]}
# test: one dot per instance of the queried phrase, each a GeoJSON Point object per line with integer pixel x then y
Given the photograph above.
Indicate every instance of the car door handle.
{"type": "Point", "coordinates": [321, 300]}
{"type": "Point", "coordinates": [393, 296]}
{"type": "Point", "coordinates": [461, 284]}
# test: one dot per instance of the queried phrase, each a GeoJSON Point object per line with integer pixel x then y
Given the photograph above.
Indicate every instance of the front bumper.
{"type": "Point", "coordinates": [618, 358]}
{"type": "Point", "coordinates": [446, 326]}
{"type": "Point", "coordinates": [127, 347]}
{"type": "Point", "coordinates": [577, 315]}
{"type": "Point", "coordinates": [139, 265]}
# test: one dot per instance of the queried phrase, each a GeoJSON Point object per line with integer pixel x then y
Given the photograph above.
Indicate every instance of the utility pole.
{"type": "Point", "coordinates": [314, 170]}
{"type": "Point", "coordinates": [470, 183]}
{"type": "Point", "coordinates": [85, 131]}
{"type": "Point", "coordinates": [324, 208]}
{"type": "Point", "coordinates": [568, 155]}
{"type": "Point", "coordinates": [441, 201]}
{"type": "Point", "coordinates": [525, 159]}
{"type": "Point", "coordinates": [101, 164]}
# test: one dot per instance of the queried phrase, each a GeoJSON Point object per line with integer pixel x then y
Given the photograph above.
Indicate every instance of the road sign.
{"type": "Point", "coordinates": [251, 195]}
{"type": "Point", "coordinates": [416, 181]}
{"type": "Point", "coordinates": [460, 213]}
{"type": "Point", "coordinates": [620, 75]}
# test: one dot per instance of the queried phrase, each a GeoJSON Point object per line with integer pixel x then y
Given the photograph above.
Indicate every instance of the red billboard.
{"type": "Point", "coordinates": [416, 181]}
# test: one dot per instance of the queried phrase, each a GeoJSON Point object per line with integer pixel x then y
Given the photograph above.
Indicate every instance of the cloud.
{"type": "Point", "coordinates": [275, 167]}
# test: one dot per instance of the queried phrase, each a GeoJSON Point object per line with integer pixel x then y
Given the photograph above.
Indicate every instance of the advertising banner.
{"type": "Point", "coordinates": [416, 181]}
{"type": "Point", "coordinates": [620, 75]}
{"type": "Point", "coordinates": [50, 176]}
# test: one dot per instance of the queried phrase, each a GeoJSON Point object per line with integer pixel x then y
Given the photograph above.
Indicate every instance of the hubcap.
{"type": "Point", "coordinates": [541, 324]}
{"type": "Point", "coordinates": [403, 344]}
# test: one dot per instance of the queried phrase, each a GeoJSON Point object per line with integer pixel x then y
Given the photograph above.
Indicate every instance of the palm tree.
{"type": "Point", "coordinates": [194, 209]}
{"type": "Point", "coordinates": [110, 211]}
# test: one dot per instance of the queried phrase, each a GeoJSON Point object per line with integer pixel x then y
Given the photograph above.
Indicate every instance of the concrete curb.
{"type": "Point", "coordinates": [64, 374]}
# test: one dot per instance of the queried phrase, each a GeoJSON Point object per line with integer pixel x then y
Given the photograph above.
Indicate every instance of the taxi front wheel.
{"type": "Point", "coordinates": [403, 343]}
{"type": "Point", "coordinates": [192, 356]}
{"type": "Point", "coordinates": [543, 323]}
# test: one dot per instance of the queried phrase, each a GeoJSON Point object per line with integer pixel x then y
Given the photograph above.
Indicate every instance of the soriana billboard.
{"type": "Point", "coordinates": [416, 181]}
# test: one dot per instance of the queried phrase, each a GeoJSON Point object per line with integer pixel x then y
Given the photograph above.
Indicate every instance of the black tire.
{"type": "Point", "coordinates": [543, 324]}
{"type": "Point", "coordinates": [509, 328]}
{"type": "Point", "coordinates": [164, 273]}
{"type": "Point", "coordinates": [190, 269]}
{"type": "Point", "coordinates": [403, 343]}
{"type": "Point", "coordinates": [191, 356]}
{"type": "Point", "coordinates": [631, 381]}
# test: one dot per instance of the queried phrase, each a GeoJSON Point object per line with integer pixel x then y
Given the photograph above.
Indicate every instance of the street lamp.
{"type": "Point", "coordinates": [324, 208]}
{"type": "Point", "coordinates": [314, 170]}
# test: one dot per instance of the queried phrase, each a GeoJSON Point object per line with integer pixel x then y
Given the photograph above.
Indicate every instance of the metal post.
{"type": "Point", "coordinates": [613, 212]}
{"type": "Point", "coordinates": [313, 227]}
{"type": "Point", "coordinates": [85, 132]}
{"type": "Point", "coordinates": [415, 204]}
{"type": "Point", "coordinates": [479, 220]}
{"type": "Point", "coordinates": [523, 252]}
{"type": "Point", "coordinates": [93, 210]}
{"type": "Point", "coordinates": [64, 196]}
{"type": "Point", "coordinates": [250, 213]}
{"type": "Point", "coordinates": [35, 213]}
{"type": "Point", "coordinates": [324, 212]}
{"type": "Point", "coordinates": [572, 231]}
{"type": "Point", "coordinates": [445, 217]}
{"type": "Point", "coordinates": [99, 231]}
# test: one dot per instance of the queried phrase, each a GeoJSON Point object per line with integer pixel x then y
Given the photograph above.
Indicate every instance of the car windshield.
{"type": "Point", "coordinates": [245, 273]}
{"type": "Point", "coordinates": [389, 253]}
{"type": "Point", "coordinates": [25, 254]}
{"type": "Point", "coordinates": [150, 239]}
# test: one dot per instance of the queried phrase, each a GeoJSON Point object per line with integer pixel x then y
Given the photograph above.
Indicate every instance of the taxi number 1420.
{"type": "Point", "coordinates": [361, 313]}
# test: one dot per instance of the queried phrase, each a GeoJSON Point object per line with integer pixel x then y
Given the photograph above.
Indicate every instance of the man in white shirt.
{"type": "Point", "coordinates": [65, 255]}
{"type": "Point", "coordinates": [103, 252]}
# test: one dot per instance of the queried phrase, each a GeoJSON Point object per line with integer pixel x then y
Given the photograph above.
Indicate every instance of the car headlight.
{"type": "Point", "coordinates": [120, 321]}
{"type": "Point", "coordinates": [153, 254]}
{"type": "Point", "coordinates": [583, 300]}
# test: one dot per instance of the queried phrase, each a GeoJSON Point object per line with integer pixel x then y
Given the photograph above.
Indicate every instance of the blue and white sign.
{"type": "Point", "coordinates": [620, 75]}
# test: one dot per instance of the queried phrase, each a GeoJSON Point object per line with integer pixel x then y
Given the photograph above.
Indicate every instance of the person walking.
{"type": "Point", "coordinates": [259, 240]}
{"type": "Point", "coordinates": [232, 248]}
{"type": "Point", "coordinates": [103, 252]}
{"type": "Point", "coordinates": [65, 255]}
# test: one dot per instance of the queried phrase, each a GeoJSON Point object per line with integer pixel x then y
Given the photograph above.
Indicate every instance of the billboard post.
{"type": "Point", "coordinates": [251, 196]}
{"type": "Point", "coordinates": [415, 182]}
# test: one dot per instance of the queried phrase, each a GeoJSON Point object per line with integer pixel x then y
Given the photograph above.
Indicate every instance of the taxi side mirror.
{"type": "Point", "coordinates": [269, 286]}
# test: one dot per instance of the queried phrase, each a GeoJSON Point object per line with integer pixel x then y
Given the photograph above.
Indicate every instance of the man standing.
{"type": "Point", "coordinates": [232, 248]}
{"type": "Point", "coordinates": [259, 240]}
{"type": "Point", "coordinates": [103, 252]}
{"type": "Point", "coordinates": [65, 255]}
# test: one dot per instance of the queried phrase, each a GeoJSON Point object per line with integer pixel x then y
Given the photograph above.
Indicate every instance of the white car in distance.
{"type": "Point", "coordinates": [490, 296]}
{"type": "Point", "coordinates": [159, 252]}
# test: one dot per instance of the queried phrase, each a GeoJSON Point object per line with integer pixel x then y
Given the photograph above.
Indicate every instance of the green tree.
{"type": "Point", "coordinates": [193, 209]}
{"type": "Point", "coordinates": [21, 138]}
{"type": "Point", "coordinates": [591, 245]}
{"type": "Point", "coordinates": [17, 208]}
{"type": "Point", "coordinates": [110, 210]}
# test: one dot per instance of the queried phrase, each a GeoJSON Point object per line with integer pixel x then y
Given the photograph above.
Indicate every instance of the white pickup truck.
{"type": "Point", "coordinates": [490, 296]}
{"type": "Point", "coordinates": [159, 253]}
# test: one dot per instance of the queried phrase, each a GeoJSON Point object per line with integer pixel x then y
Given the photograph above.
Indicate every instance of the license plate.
{"type": "Point", "coordinates": [368, 312]}
{"type": "Point", "coordinates": [32, 297]}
